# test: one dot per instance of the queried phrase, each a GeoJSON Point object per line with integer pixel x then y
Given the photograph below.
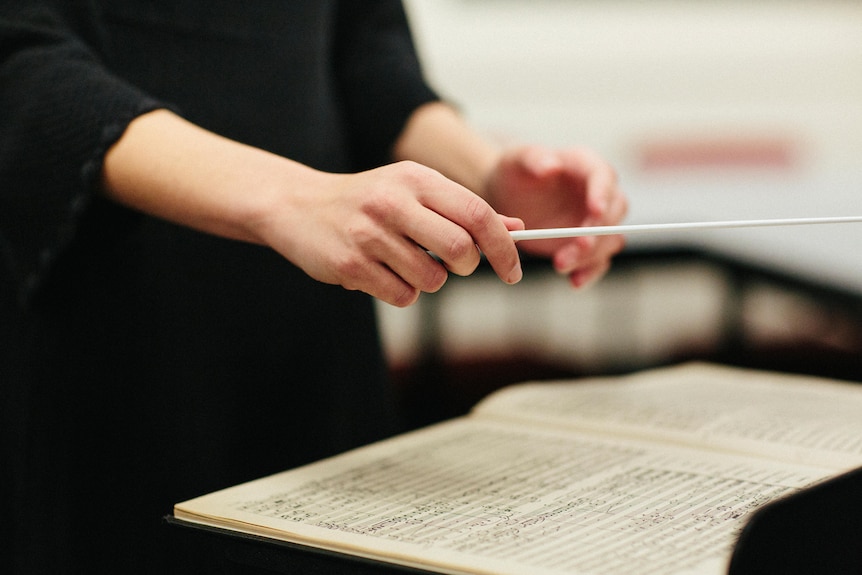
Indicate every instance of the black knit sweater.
{"type": "Point", "coordinates": [143, 363]}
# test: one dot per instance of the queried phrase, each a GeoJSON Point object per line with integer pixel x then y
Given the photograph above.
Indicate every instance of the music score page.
{"type": "Point", "coordinates": [536, 495]}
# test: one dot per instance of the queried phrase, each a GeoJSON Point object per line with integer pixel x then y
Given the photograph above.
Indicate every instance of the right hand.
{"type": "Point", "coordinates": [367, 231]}
{"type": "Point", "coordinates": [373, 231]}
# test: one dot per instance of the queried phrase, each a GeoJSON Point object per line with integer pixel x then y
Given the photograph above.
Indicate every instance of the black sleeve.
{"type": "Point", "coordinates": [380, 75]}
{"type": "Point", "coordinates": [60, 110]}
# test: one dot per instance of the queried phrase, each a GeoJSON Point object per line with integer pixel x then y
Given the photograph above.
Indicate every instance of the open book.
{"type": "Point", "coordinates": [656, 471]}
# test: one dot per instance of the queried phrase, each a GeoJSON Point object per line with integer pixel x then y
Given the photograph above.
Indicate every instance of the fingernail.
{"type": "Point", "coordinates": [516, 274]}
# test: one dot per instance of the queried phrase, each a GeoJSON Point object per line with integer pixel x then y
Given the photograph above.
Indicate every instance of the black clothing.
{"type": "Point", "coordinates": [142, 363]}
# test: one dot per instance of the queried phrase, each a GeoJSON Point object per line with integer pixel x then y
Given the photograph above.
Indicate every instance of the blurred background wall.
{"type": "Point", "coordinates": [709, 110]}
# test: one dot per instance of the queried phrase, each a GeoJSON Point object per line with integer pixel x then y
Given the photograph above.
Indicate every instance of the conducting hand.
{"type": "Point", "coordinates": [369, 231]}
{"type": "Point", "coordinates": [373, 231]}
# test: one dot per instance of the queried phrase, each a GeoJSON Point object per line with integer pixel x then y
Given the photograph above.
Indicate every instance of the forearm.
{"type": "Point", "coordinates": [167, 167]}
{"type": "Point", "coordinates": [437, 136]}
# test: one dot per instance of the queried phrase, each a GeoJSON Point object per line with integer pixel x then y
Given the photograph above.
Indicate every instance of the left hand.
{"type": "Point", "coordinates": [565, 188]}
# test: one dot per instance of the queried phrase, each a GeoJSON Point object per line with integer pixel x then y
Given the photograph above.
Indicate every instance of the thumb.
{"type": "Point", "coordinates": [511, 223]}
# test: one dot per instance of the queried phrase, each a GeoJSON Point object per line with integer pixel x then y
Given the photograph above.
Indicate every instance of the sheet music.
{"type": "Point", "coordinates": [794, 418]}
{"type": "Point", "coordinates": [492, 498]}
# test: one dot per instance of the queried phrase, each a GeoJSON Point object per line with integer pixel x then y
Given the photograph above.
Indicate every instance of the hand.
{"type": "Point", "coordinates": [568, 188]}
{"type": "Point", "coordinates": [367, 231]}
{"type": "Point", "coordinates": [372, 231]}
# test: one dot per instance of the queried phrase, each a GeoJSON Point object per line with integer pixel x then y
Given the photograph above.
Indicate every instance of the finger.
{"type": "Point", "coordinates": [448, 241]}
{"type": "Point", "coordinates": [492, 236]}
{"type": "Point", "coordinates": [598, 178]}
{"type": "Point", "coordinates": [389, 266]}
{"type": "Point", "coordinates": [398, 294]}
{"type": "Point", "coordinates": [609, 246]}
{"type": "Point", "coordinates": [602, 191]}
{"type": "Point", "coordinates": [465, 266]}
{"type": "Point", "coordinates": [482, 226]}
{"type": "Point", "coordinates": [587, 276]}
{"type": "Point", "coordinates": [619, 209]}
{"type": "Point", "coordinates": [379, 281]}
{"type": "Point", "coordinates": [572, 254]}
{"type": "Point", "coordinates": [415, 266]}
{"type": "Point", "coordinates": [586, 252]}
{"type": "Point", "coordinates": [539, 162]}
{"type": "Point", "coordinates": [512, 224]}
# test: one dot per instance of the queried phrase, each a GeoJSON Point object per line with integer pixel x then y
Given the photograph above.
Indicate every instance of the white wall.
{"type": "Point", "coordinates": [616, 74]}
{"type": "Point", "coordinates": [623, 77]}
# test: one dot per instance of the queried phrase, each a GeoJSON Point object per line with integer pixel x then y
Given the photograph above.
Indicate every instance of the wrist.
{"type": "Point", "coordinates": [169, 168]}
{"type": "Point", "coordinates": [437, 136]}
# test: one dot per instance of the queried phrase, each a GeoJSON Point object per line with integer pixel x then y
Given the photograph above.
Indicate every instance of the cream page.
{"type": "Point", "coordinates": [801, 419]}
{"type": "Point", "coordinates": [482, 497]}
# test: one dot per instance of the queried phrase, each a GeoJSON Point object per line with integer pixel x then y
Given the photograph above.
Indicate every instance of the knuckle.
{"type": "Point", "coordinates": [381, 204]}
{"type": "Point", "coordinates": [462, 249]}
{"type": "Point", "coordinates": [350, 268]}
{"type": "Point", "coordinates": [478, 213]}
{"type": "Point", "coordinates": [413, 175]}
{"type": "Point", "coordinates": [366, 237]}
